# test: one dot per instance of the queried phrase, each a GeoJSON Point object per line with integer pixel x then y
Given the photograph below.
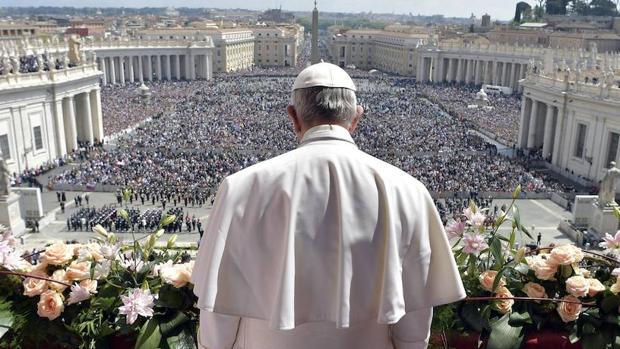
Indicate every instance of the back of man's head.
{"type": "Point", "coordinates": [324, 93]}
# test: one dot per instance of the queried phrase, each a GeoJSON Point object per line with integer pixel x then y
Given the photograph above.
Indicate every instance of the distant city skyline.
{"type": "Point", "coordinates": [502, 10]}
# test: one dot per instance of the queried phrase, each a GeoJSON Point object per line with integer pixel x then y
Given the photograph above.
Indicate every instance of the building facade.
{"type": "Point", "coordinates": [387, 51]}
{"type": "Point", "coordinates": [277, 46]}
{"type": "Point", "coordinates": [44, 114]}
{"type": "Point", "coordinates": [149, 60]}
{"type": "Point", "coordinates": [575, 125]}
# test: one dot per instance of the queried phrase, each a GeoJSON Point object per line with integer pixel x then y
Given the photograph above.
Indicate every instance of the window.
{"type": "Point", "coordinates": [581, 140]}
{"type": "Point", "coordinates": [4, 147]}
{"type": "Point", "coordinates": [38, 138]}
{"type": "Point", "coordinates": [612, 148]}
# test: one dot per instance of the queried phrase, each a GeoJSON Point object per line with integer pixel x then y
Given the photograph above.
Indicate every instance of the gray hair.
{"type": "Point", "coordinates": [325, 103]}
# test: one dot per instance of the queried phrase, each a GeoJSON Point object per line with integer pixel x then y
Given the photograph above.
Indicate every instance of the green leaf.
{"type": "Point", "coordinates": [174, 322]}
{"type": "Point", "coordinates": [6, 318]}
{"type": "Point", "coordinates": [184, 340]}
{"type": "Point", "coordinates": [504, 336]}
{"type": "Point", "coordinates": [149, 336]}
{"type": "Point", "coordinates": [519, 319]}
{"type": "Point", "coordinates": [498, 277]}
{"type": "Point", "coordinates": [496, 251]}
{"type": "Point", "coordinates": [513, 238]}
{"type": "Point", "coordinates": [596, 340]}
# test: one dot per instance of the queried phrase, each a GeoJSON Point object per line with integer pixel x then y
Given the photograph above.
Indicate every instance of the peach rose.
{"type": "Point", "coordinates": [58, 254]}
{"type": "Point", "coordinates": [543, 268]}
{"type": "Point", "coordinates": [488, 278]}
{"type": "Point", "coordinates": [90, 285]}
{"type": "Point", "coordinates": [565, 255]}
{"type": "Point", "coordinates": [50, 305]}
{"type": "Point", "coordinates": [535, 290]}
{"type": "Point", "coordinates": [76, 249]}
{"type": "Point", "coordinates": [78, 271]}
{"type": "Point", "coordinates": [177, 275]}
{"type": "Point", "coordinates": [595, 287]}
{"type": "Point", "coordinates": [34, 287]}
{"type": "Point", "coordinates": [569, 311]}
{"type": "Point", "coordinates": [40, 268]}
{"type": "Point", "coordinates": [59, 275]}
{"type": "Point", "coordinates": [578, 286]}
{"type": "Point", "coordinates": [95, 251]}
{"type": "Point", "coordinates": [504, 306]}
{"type": "Point", "coordinates": [615, 288]}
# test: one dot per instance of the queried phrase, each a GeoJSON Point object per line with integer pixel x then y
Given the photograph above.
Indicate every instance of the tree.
{"type": "Point", "coordinates": [580, 7]}
{"type": "Point", "coordinates": [520, 9]}
{"type": "Point", "coordinates": [556, 7]}
{"type": "Point", "coordinates": [603, 8]}
{"type": "Point", "coordinates": [539, 12]}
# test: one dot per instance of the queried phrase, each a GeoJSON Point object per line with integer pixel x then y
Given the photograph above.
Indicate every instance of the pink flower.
{"type": "Point", "coordinates": [474, 244]}
{"type": "Point", "coordinates": [138, 302]}
{"type": "Point", "coordinates": [468, 213]}
{"type": "Point", "coordinates": [455, 229]}
{"type": "Point", "coordinates": [611, 242]}
{"type": "Point", "coordinates": [78, 293]}
{"type": "Point", "coordinates": [477, 220]}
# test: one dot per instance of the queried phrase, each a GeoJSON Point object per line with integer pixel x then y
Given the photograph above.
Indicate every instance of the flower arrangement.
{"type": "Point", "coordinates": [93, 295]}
{"type": "Point", "coordinates": [515, 291]}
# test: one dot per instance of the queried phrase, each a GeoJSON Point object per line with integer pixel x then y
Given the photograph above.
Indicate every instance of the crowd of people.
{"type": "Point", "coordinates": [199, 132]}
{"type": "Point", "coordinates": [140, 221]}
{"type": "Point", "coordinates": [501, 120]}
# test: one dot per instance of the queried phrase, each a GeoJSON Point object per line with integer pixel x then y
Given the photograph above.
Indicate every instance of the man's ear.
{"type": "Point", "coordinates": [356, 119]}
{"type": "Point", "coordinates": [292, 114]}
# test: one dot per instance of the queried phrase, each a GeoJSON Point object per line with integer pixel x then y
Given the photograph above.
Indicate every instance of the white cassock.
{"type": "Point", "coordinates": [336, 247]}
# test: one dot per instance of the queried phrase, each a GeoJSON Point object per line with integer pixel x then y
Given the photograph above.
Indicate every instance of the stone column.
{"type": "Point", "coordinates": [158, 67]}
{"type": "Point", "coordinates": [557, 142]}
{"type": "Point", "coordinates": [459, 70]}
{"type": "Point", "coordinates": [477, 72]}
{"type": "Point", "coordinates": [526, 106]}
{"type": "Point", "coordinates": [104, 78]}
{"type": "Point", "coordinates": [132, 76]}
{"type": "Point", "coordinates": [467, 71]}
{"type": "Point", "coordinates": [450, 75]}
{"type": "Point", "coordinates": [112, 71]}
{"type": "Point", "coordinates": [495, 76]}
{"type": "Point", "coordinates": [86, 117]}
{"type": "Point", "coordinates": [96, 117]}
{"type": "Point", "coordinates": [59, 127]}
{"type": "Point", "coordinates": [205, 67]}
{"type": "Point", "coordinates": [531, 137]}
{"type": "Point", "coordinates": [177, 66]}
{"type": "Point", "coordinates": [192, 67]}
{"type": "Point", "coordinates": [503, 76]}
{"type": "Point", "coordinates": [140, 69]}
{"type": "Point", "coordinates": [209, 65]}
{"type": "Point", "coordinates": [547, 140]}
{"type": "Point", "coordinates": [168, 71]}
{"type": "Point", "coordinates": [149, 68]}
{"type": "Point", "coordinates": [69, 122]}
{"type": "Point", "coordinates": [121, 68]}
{"type": "Point", "coordinates": [488, 73]}
{"type": "Point", "coordinates": [513, 76]}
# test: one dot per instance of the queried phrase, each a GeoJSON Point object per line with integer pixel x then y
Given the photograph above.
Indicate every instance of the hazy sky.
{"type": "Point", "coordinates": [499, 9]}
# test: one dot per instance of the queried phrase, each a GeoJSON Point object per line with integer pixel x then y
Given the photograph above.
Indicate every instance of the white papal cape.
{"type": "Point", "coordinates": [324, 233]}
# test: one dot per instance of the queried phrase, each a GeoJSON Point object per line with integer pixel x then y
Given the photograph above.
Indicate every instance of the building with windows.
{"type": "Point", "coordinates": [385, 50]}
{"type": "Point", "coordinates": [233, 49]}
{"type": "Point", "coordinates": [149, 60]}
{"type": "Point", "coordinates": [45, 113]}
{"type": "Point", "coordinates": [277, 45]}
{"type": "Point", "coordinates": [574, 122]}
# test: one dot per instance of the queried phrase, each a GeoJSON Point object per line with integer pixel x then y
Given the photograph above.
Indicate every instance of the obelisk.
{"type": "Point", "coordinates": [314, 54]}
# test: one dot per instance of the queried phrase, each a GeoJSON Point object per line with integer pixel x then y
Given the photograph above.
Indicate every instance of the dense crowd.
{"type": "Point", "coordinates": [85, 218]}
{"type": "Point", "coordinates": [501, 120]}
{"type": "Point", "coordinates": [201, 131]}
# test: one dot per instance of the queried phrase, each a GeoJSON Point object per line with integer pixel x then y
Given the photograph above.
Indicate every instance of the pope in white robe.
{"type": "Point", "coordinates": [324, 246]}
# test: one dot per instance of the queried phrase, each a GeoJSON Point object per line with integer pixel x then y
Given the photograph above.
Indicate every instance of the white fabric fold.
{"type": "Point", "coordinates": [324, 233]}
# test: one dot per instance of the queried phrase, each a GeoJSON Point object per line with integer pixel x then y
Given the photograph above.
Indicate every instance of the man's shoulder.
{"type": "Point", "coordinates": [359, 160]}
